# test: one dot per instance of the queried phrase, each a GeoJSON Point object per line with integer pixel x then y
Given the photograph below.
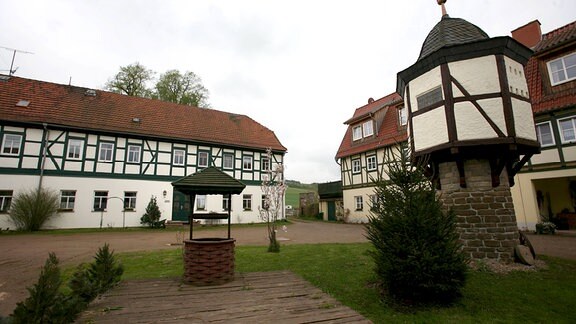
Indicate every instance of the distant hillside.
{"type": "Point", "coordinates": [298, 184]}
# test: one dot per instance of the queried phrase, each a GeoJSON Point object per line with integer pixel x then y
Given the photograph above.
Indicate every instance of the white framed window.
{"type": "Point", "coordinates": [100, 200]}
{"type": "Point", "coordinates": [247, 202]}
{"type": "Point", "coordinates": [228, 161]}
{"type": "Point", "coordinates": [178, 158]}
{"type": "Point", "coordinates": [544, 134]}
{"type": "Point", "coordinates": [106, 150]}
{"type": "Point", "coordinates": [5, 200]}
{"type": "Point", "coordinates": [567, 129]}
{"type": "Point", "coordinates": [67, 199]}
{"type": "Point", "coordinates": [133, 154]}
{"type": "Point", "coordinates": [356, 166]}
{"type": "Point", "coordinates": [11, 144]}
{"type": "Point", "coordinates": [359, 202]}
{"type": "Point", "coordinates": [371, 164]}
{"type": "Point", "coordinates": [225, 203]}
{"type": "Point", "coordinates": [562, 69]}
{"type": "Point", "coordinates": [373, 202]}
{"type": "Point", "coordinates": [357, 133]}
{"type": "Point", "coordinates": [265, 164]}
{"type": "Point", "coordinates": [247, 162]}
{"type": "Point", "coordinates": [403, 116]}
{"type": "Point", "coordinates": [201, 202]}
{"type": "Point", "coordinates": [75, 149]}
{"type": "Point", "coordinates": [202, 159]}
{"type": "Point", "coordinates": [129, 200]}
{"type": "Point", "coordinates": [368, 128]}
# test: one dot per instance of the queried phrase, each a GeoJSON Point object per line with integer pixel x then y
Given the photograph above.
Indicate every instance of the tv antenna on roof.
{"type": "Point", "coordinates": [11, 71]}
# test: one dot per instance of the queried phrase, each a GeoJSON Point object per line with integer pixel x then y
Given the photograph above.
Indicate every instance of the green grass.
{"type": "Point", "coordinates": [293, 196]}
{"type": "Point", "coordinates": [345, 272]}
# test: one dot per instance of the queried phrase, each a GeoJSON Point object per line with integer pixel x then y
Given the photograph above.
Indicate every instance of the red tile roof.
{"type": "Point", "coordinates": [388, 133]}
{"type": "Point", "coordinates": [544, 97]}
{"type": "Point", "coordinates": [69, 106]}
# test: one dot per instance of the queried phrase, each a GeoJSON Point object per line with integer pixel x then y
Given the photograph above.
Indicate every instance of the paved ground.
{"type": "Point", "coordinates": [22, 255]}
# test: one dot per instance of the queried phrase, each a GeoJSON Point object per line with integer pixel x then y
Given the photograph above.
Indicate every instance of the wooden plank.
{"type": "Point", "coordinates": [280, 297]}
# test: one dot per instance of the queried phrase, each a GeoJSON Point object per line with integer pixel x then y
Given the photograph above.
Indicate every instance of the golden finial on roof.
{"type": "Point", "coordinates": [441, 3]}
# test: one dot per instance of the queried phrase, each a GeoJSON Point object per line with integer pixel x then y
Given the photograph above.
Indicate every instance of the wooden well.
{"type": "Point", "coordinates": [209, 261]}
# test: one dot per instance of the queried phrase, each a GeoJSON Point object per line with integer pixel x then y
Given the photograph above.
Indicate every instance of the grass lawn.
{"type": "Point", "coordinates": [293, 196]}
{"type": "Point", "coordinates": [345, 272]}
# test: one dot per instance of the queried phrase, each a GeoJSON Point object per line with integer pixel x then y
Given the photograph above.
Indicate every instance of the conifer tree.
{"type": "Point", "coordinates": [416, 249]}
{"type": "Point", "coordinates": [152, 215]}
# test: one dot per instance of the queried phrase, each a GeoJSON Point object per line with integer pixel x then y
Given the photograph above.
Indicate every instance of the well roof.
{"type": "Point", "coordinates": [209, 181]}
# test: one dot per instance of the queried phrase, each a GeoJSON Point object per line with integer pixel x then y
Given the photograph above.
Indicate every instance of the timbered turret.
{"type": "Point", "coordinates": [470, 119]}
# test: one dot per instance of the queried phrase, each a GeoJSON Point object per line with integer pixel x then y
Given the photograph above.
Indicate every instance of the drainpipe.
{"type": "Point", "coordinates": [44, 150]}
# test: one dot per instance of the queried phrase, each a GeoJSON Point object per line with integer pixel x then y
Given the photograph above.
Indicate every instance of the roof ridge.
{"type": "Point", "coordinates": [558, 30]}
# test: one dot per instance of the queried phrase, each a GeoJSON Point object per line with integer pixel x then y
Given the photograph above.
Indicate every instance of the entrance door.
{"type": "Point", "coordinates": [331, 210]}
{"type": "Point", "coordinates": [180, 206]}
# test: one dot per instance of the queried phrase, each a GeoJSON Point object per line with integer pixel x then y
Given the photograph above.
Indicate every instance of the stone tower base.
{"type": "Point", "coordinates": [486, 219]}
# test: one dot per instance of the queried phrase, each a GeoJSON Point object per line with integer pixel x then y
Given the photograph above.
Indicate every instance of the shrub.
{"type": "Point", "coordinates": [96, 278]}
{"type": "Point", "coordinates": [31, 209]}
{"type": "Point", "coordinates": [417, 254]}
{"type": "Point", "coordinates": [46, 304]}
{"type": "Point", "coordinates": [152, 215]}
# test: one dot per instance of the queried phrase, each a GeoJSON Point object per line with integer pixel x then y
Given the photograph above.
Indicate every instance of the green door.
{"type": "Point", "coordinates": [331, 210]}
{"type": "Point", "coordinates": [180, 206]}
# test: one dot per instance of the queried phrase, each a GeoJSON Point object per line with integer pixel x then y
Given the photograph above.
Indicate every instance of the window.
{"type": "Point", "coordinates": [247, 202]}
{"type": "Point", "coordinates": [247, 162]}
{"type": "Point", "coordinates": [544, 134]}
{"type": "Point", "coordinates": [265, 164]}
{"type": "Point", "coordinates": [67, 199]}
{"type": "Point", "coordinates": [133, 154]}
{"type": "Point", "coordinates": [129, 200]}
{"type": "Point", "coordinates": [201, 202]}
{"type": "Point", "coordinates": [403, 116]}
{"type": "Point", "coordinates": [368, 129]}
{"type": "Point", "coordinates": [11, 144]}
{"type": "Point", "coordinates": [563, 69]}
{"type": "Point", "coordinates": [106, 150]}
{"type": "Point", "coordinates": [75, 149]}
{"type": "Point", "coordinates": [225, 203]}
{"type": "Point", "coordinates": [356, 166]}
{"type": "Point", "coordinates": [429, 98]}
{"type": "Point", "coordinates": [359, 202]}
{"type": "Point", "coordinates": [178, 158]}
{"type": "Point", "coordinates": [356, 133]}
{"type": "Point", "coordinates": [202, 159]}
{"type": "Point", "coordinates": [567, 129]}
{"type": "Point", "coordinates": [5, 200]}
{"type": "Point", "coordinates": [100, 200]}
{"type": "Point", "coordinates": [228, 161]}
{"type": "Point", "coordinates": [265, 202]}
{"type": "Point", "coordinates": [373, 202]}
{"type": "Point", "coordinates": [371, 163]}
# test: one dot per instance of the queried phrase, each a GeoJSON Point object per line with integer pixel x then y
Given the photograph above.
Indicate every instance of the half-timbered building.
{"type": "Point", "coordinates": [107, 154]}
{"type": "Point", "coordinates": [373, 134]}
{"type": "Point", "coordinates": [545, 187]}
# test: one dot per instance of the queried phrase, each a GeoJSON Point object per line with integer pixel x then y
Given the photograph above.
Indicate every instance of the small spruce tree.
{"type": "Point", "coordinates": [416, 249]}
{"type": "Point", "coordinates": [152, 215]}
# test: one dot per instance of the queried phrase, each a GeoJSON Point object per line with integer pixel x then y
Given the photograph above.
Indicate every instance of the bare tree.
{"type": "Point", "coordinates": [273, 189]}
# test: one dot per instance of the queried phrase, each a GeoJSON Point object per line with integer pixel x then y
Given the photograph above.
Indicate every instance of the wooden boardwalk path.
{"type": "Point", "coordinates": [259, 297]}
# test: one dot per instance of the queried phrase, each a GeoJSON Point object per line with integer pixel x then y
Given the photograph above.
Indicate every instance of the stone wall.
{"type": "Point", "coordinates": [486, 219]}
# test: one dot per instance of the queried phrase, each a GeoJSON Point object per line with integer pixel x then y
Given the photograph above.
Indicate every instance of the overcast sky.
{"type": "Point", "coordinates": [298, 67]}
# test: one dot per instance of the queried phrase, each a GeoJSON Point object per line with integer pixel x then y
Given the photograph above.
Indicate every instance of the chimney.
{"type": "Point", "coordinates": [528, 35]}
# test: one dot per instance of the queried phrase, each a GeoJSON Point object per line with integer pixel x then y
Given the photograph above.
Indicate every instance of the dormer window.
{"type": "Point", "coordinates": [403, 115]}
{"type": "Point", "coordinates": [368, 129]}
{"type": "Point", "coordinates": [357, 133]}
{"type": "Point", "coordinates": [562, 69]}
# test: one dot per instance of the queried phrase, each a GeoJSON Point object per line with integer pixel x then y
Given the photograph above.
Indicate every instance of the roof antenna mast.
{"type": "Point", "coordinates": [12, 71]}
{"type": "Point", "coordinates": [441, 3]}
